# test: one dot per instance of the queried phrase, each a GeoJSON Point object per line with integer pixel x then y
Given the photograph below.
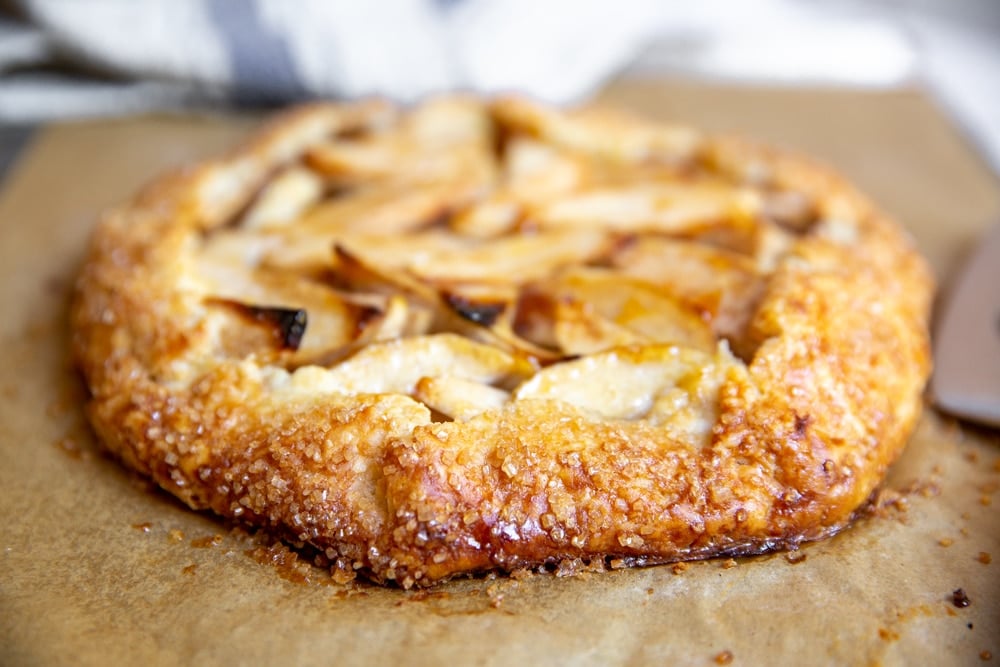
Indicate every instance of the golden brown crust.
{"type": "Point", "coordinates": [422, 429]}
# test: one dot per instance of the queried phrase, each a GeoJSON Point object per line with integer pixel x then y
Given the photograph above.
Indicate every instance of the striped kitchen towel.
{"type": "Point", "coordinates": [62, 58]}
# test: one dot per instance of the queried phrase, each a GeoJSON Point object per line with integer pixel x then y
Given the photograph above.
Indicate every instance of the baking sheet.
{"type": "Point", "coordinates": [98, 568]}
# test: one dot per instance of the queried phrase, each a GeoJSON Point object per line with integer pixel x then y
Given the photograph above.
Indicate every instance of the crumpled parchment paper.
{"type": "Point", "coordinates": [97, 568]}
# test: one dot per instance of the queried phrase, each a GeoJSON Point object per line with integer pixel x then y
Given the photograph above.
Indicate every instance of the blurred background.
{"type": "Point", "coordinates": [64, 59]}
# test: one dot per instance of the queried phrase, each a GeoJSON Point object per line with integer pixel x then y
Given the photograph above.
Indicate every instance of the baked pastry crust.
{"type": "Point", "coordinates": [488, 335]}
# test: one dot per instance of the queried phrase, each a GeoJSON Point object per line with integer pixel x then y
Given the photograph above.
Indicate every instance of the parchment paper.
{"type": "Point", "coordinates": [97, 568]}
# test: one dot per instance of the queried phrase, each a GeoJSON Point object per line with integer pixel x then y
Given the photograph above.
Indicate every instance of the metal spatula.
{"type": "Point", "coordinates": [966, 380]}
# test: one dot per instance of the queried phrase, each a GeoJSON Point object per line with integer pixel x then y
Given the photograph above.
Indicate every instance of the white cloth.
{"type": "Point", "coordinates": [157, 53]}
{"type": "Point", "coordinates": [71, 58]}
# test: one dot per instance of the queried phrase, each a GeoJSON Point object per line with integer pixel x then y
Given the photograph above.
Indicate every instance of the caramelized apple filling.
{"type": "Point", "coordinates": [563, 244]}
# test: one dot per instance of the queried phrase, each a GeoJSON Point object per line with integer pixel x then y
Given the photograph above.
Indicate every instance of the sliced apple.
{"type": "Point", "coordinates": [662, 208]}
{"type": "Point", "coordinates": [606, 133]}
{"type": "Point", "coordinates": [666, 385]}
{"type": "Point", "coordinates": [389, 208]}
{"type": "Point", "coordinates": [594, 298]}
{"type": "Point", "coordinates": [578, 329]}
{"type": "Point", "coordinates": [448, 140]}
{"type": "Point", "coordinates": [284, 199]}
{"type": "Point", "coordinates": [458, 398]}
{"type": "Point", "coordinates": [517, 258]}
{"type": "Point", "coordinates": [440, 257]}
{"type": "Point", "coordinates": [489, 218]}
{"type": "Point", "coordinates": [397, 366]}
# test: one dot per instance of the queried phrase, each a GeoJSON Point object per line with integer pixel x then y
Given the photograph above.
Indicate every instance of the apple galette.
{"type": "Point", "coordinates": [485, 335]}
